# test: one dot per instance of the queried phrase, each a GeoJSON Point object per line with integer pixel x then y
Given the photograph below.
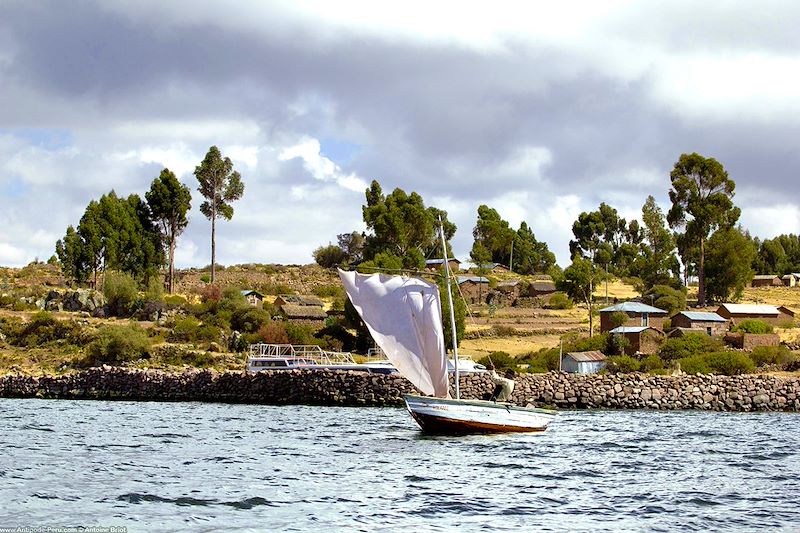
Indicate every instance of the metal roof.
{"type": "Point", "coordinates": [543, 286]}
{"type": "Point", "coordinates": [473, 279]}
{"type": "Point", "coordinates": [629, 329]}
{"type": "Point", "coordinates": [251, 291]}
{"type": "Point", "coordinates": [440, 261]}
{"type": "Point", "coordinates": [586, 357]}
{"type": "Point", "coordinates": [634, 307]}
{"type": "Point", "coordinates": [766, 276]}
{"type": "Point", "coordinates": [702, 316]}
{"type": "Point", "coordinates": [750, 309]}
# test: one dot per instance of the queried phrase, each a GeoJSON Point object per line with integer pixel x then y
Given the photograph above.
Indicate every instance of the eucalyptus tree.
{"type": "Point", "coordinates": [701, 196]}
{"type": "Point", "coordinates": [220, 185]}
{"type": "Point", "coordinates": [169, 201]}
{"type": "Point", "coordinates": [730, 253]}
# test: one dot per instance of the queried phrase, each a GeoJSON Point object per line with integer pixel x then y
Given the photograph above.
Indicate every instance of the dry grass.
{"type": "Point", "coordinates": [616, 289]}
{"type": "Point", "coordinates": [477, 348]}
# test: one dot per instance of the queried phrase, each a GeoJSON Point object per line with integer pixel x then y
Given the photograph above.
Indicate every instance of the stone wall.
{"type": "Point", "coordinates": [748, 341]}
{"type": "Point", "coordinates": [316, 387]}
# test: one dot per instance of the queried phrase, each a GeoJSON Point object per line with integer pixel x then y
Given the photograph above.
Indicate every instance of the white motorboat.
{"type": "Point", "coordinates": [264, 357]}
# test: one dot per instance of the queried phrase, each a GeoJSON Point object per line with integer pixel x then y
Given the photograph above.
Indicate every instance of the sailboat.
{"type": "Point", "coordinates": [404, 316]}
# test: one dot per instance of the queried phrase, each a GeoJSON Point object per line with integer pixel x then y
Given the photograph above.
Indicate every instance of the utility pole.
{"type": "Point", "coordinates": [511, 261]}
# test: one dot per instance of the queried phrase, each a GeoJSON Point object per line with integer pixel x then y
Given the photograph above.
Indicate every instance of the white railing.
{"type": "Point", "coordinates": [309, 352]}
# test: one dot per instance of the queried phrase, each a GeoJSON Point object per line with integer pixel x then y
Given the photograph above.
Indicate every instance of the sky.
{"type": "Point", "coordinates": [541, 110]}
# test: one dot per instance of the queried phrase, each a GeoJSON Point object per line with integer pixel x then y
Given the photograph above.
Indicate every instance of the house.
{"type": "Point", "coordinates": [710, 323]}
{"type": "Point", "coordinates": [766, 313]}
{"type": "Point", "coordinates": [792, 279]}
{"type": "Point", "coordinates": [641, 339]}
{"type": "Point", "coordinates": [305, 314]}
{"type": "Point", "coordinates": [583, 362]}
{"type": "Point", "coordinates": [507, 292]}
{"type": "Point", "coordinates": [766, 280]}
{"type": "Point", "coordinates": [474, 289]}
{"type": "Point", "coordinates": [639, 314]}
{"type": "Point", "coordinates": [787, 313]}
{"type": "Point", "coordinates": [298, 299]}
{"type": "Point", "coordinates": [680, 332]}
{"type": "Point", "coordinates": [254, 298]}
{"type": "Point", "coordinates": [494, 268]}
{"type": "Point", "coordinates": [436, 264]}
{"type": "Point", "coordinates": [542, 288]}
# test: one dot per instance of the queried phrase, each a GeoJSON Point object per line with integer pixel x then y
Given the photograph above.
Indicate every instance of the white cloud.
{"type": "Point", "coordinates": [319, 166]}
{"type": "Point", "coordinates": [771, 221]}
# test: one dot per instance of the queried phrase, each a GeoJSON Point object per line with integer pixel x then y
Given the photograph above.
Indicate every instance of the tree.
{"type": "Point", "coordinates": [657, 259]}
{"type": "Point", "coordinates": [169, 201]}
{"type": "Point", "coordinates": [730, 254]}
{"type": "Point", "coordinates": [578, 281]}
{"type": "Point", "coordinates": [219, 185]}
{"type": "Point", "coordinates": [402, 227]}
{"type": "Point", "coordinates": [701, 196]}
{"type": "Point", "coordinates": [493, 237]}
{"type": "Point", "coordinates": [329, 256]}
{"type": "Point", "coordinates": [530, 255]}
{"type": "Point", "coordinates": [606, 239]}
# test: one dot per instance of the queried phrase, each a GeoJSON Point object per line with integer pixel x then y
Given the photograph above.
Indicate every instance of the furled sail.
{"type": "Point", "coordinates": [404, 316]}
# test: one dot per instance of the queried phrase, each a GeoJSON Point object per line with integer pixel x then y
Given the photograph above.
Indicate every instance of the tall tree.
{"type": "Point", "coordinates": [493, 237]}
{"type": "Point", "coordinates": [169, 201]}
{"type": "Point", "coordinates": [701, 196]}
{"type": "Point", "coordinates": [578, 281]}
{"type": "Point", "coordinates": [220, 185]}
{"type": "Point", "coordinates": [530, 255]}
{"type": "Point", "coordinates": [401, 229]}
{"type": "Point", "coordinates": [657, 260]}
{"type": "Point", "coordinates": [730, 253]}
{"type": "Point", "coordinates": [606, 239]}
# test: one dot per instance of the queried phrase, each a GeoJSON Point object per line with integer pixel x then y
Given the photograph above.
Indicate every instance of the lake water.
{"type": "Point", "coordinates": [209, 467]}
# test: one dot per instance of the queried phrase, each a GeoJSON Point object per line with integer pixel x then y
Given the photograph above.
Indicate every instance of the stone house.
{"type": "Point", "coordinates": [710, 323]}
{"type": "Point", "coordinates": [766, 280]}
{"type": "Point", "coordinates": [298, 299]}
{"type": "Point", "coordinates": [583, 362]}
{"type": "Point", "coordinates": [305, 314]}
{"type": "Point", "coordinates": [736, 313]}
{"type": "Point", "coordinates": [494, 268]}
{"type": "Point", "coordinates": [436, 264]}
{"type": "Point", "coordinates": [475, 289]}
{"type": "Point", "coordinates": [507, 292]}
{"type": "Point", "coordinates": [639, 314]}
{"type": "Point", "coordinates": [641, 339]}
{"type": "Point", "coordinates": [791, 280]}
{"type": "Point", "coordinates": [253, 298]}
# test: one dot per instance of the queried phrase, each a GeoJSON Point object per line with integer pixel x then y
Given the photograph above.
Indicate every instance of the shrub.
{"type": "Point", "coordinates": [772, 355]}
{"type": "Point", "coordinates": [249, 319]}
{"type": "Point", "coordinates": [688, 345]}
{"type": "Point", "coordinates": [499, 361]}
{"type": "Point", "coordinates": [329, 291]}
{"type": "Point", "coordinates": [299, 333]}
{"type": "Point", "coordinates": [619, 343]}
{"type": "Point", "coordinates": [652, 362]}
{"type": "Point", "coordinates": [695, 364]}
{"type": "Point", "coordinates": [617, 319]}
{"type": "Point", "coordinates": [121, 293]}
{"type": "Point", "coordinates": [666, 298]}
{"type": "Point", "coordinates": [753, 326]}
{"type": "Point", "coordinates": [560, 300]}
{"type": "Point", "coordinates": [598, 342]}
{"type": "Point", "coordinates": [190, 329]}
{"type": "Point", "coordinates": [504, 331]}
{"type": "Point", "coordinates": [541, 361]}
{"type": "Point", "coordinates": [205, 278]}
{"type": "Point", "coordinates": [117, 344]}
{"type": "Point", "coordinates": [622, 364]}
{"type": "Point", "coordinates": [273, 332]}
{"type": "Point", "coordinates": [211, 293]}
{"type": "Point", "coordinates": [44, 328]}
{"type": "Point", "coordinates": [730, 363]}
{"type": "Point", "coordinates": [174, 301]}
{"type": "Point", "coordinates": [276, 288]}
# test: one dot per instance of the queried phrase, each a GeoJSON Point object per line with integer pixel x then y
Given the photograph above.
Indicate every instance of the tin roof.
{"type": "Point", "coordinates": [440, 261]}
{"type": "Point", "coordinates": [629, 329]}
{"type": "Point", "coordinates": [766, 276]}
{"type": "Point", "coordinates": [251, 291]}
{"type": "Point", "coordinates": [750, 309]}
{"type": "Point", "coordinates": [586, 357]}
{"type": "Point", "coordinates": [702, 316]}
{"type": "Point", "coordinates": [473, 279]}
{"type": "Point", "coordinates": [634, 307]}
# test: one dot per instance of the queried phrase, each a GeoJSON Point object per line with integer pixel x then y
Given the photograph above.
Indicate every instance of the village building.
{"type": "Point", "coordinates": [507, 292]}
{"type": "Point", "coordinates": [305, 314]}
{"type": "Point", "coordinates": [542, 288]}
{"type": "Point", "coordinates": [640, 339]}
{"type": "Point", "coordinates": [709, 323]}
{"type": "Point", "coordinates": [791, 280]}
{"type": "Point", "coordinates": [680, 332]}
{"type": "Point", "coordinates": [494, 268]}
{"type": "Point", "coordinates": [736, 313]}
{"type": "Point", "coordinates": [766, 280]}
{"type": "Point", "coordinates": [436, 264]}
{"type": "Point", "coordinates": [639, 314]}
{"type": "Point", "coordinates": [583, 362]}
{"type": "Point", "coordinates": [297, 299]}
{"type": "Point", "coordinates": [253, 298]}
{"type": "Point", "coordinates": [474, 289]}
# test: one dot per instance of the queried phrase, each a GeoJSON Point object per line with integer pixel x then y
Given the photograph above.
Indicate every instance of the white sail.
{"type": "Point", "coordinates": [404, 316]}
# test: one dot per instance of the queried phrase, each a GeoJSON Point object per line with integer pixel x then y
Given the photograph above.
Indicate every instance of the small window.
{"type": "Point", "coordinates": [708, 330]}
{"type": "Point", "coordinates": [644, 320]}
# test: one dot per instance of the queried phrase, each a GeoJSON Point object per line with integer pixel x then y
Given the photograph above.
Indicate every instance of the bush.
{"type": "Point", "coordinates": [560, 300]}
{"type": "Point", "coordinates": [276, 289]}
{"type": "Point", "coordinates": [174, 301]}
{"type": "Point", "coordinates": [622, 364]}
{"type": "Point", "coordinates": [688, 345]}
{"type": "Point", "coordinates": [541, 361]}
{"type": "Point", "coordinates": [652, 362]}
{"type": "Point", "coordinates": [753, 326]}
{"type": "Point", "coordinates": [329, 291]}
{"type": "Point", "coordinates": [273, 332]}
{"type": "Point", "coordinates": [666, 298]}
{"type": "Point", "coordinates": [121, 293]}
{"type": "Point", "coordinates": [190, 329]}
{"type": "Point", "coordinates": [772, 355]}
{"type": "Point", "coordinates": [43, 328]}
{"type": "Point", "coordinates": [695, 364]}
{"type": "Point", "coordinates": [499, 361]}
{"type": "Point", "coordinates": [598, 342]}
{"type": "Point", "coordinates": [299, 333]}
{"type": "Point", "coordinates": [211, 293]}
{"type": "Point", "coordinates": [504, 331]}
{"type": "Point", "coordinates": [117, 344]}
{"type": "Point", "coordinates": [249, 319]}
{"type": "Point", "coordinates": [728, 363]}
{"type": "Point", "coordinates": [619, 343]}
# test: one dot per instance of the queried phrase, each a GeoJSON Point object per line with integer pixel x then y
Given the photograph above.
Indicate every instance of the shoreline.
{"type": "Point", "coordinates": [746, 393]}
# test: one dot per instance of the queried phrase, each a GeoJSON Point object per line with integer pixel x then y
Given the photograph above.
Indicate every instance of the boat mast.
{"type": "Point", "coordinates": [452, 311]}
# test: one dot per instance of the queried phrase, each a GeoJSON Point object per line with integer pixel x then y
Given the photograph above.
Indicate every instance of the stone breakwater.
{"type": "Point", "coordinates": [320, 387]}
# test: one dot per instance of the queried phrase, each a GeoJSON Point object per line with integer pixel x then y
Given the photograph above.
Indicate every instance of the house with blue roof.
{"type": "Point", "coordinates": [639, 314]}
{"type": "Point", "coordinates": [711, 323]}
{"type": "Point", "coordinates": [474, 289]}
{"type": "Point", "coordinates": [437, 264]}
